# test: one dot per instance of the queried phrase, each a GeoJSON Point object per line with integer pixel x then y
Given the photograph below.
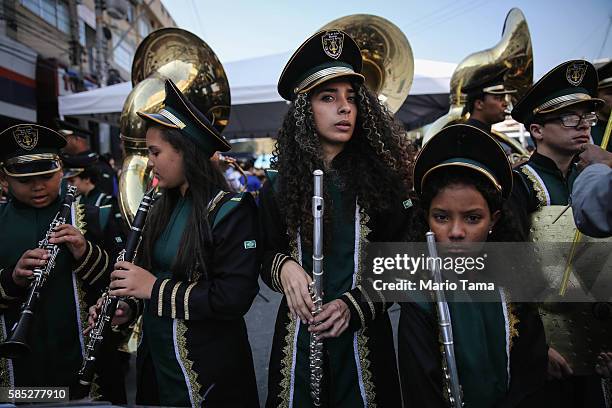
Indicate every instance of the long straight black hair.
{"type": "Point", "coordinates": [205, 181]}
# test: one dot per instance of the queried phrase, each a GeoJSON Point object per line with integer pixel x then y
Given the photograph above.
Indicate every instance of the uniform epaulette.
{"type": "Point", "coordinates": [104, 215]}
{"type": "Point", "coordinates": [228, 207]}
{"type": "Point", "coordinates": [272, 175]}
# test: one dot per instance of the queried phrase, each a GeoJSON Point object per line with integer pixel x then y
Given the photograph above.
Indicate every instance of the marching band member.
{"type": "Point", "coordinates": [463, 178]}
{"type": "Point", "coordinates": [32, 171]}
{"type": "Point", "coordinates": [196, 270]}
{"type": "Point", "coordinates": [487, 100]}
{"type": "Point", "coordinates": [559, 112]}
{"type": "Point", "coordinates": [337, 125]}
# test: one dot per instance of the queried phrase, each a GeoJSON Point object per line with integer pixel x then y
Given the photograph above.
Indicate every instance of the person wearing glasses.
{"type": "Point", "coordinates": [559, 112]}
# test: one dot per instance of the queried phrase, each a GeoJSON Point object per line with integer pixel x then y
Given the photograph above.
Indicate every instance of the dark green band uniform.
{"type": "Point", "coordinates": [195, 349]}
{"type": "Point", "coordinates": [539, 182]}
{"type": "Point", "coordinates": [499, 346]}
{"type": "Point", "coordinates": [56, 338]}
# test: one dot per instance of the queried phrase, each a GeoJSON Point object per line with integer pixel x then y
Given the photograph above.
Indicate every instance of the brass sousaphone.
{"type": "Point", "coordinates": [513, 51]}
{"type": "Point", "coordinates": [195, 69]}
{"type": "Point", "coordinates": [388, 64]}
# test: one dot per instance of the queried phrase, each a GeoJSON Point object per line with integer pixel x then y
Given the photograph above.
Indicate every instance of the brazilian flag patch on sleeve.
{"type": "Point", "coordinates": [250, 244]}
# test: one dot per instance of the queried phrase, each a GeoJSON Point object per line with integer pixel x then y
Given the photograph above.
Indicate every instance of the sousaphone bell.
{"type": "Point", "coordinates": [176, 54]}
{"type": "Point", "coordinates": [388, 63]}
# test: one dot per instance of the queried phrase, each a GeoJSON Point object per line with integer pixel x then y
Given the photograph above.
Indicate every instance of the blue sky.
{"type": "Point", "coordinates": [442, 30]}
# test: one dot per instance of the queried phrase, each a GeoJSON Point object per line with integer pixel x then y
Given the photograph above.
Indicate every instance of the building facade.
{"type": "Point", "coordinates": [50, 48]}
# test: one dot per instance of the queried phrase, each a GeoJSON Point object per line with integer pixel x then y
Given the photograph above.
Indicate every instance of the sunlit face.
{"type": "Point", "coordinates": [565, 140]}
{"type": "Point", "coordinates": [493, 108]}
{"type": "Point", "coordinates": [165, 160]}
{"type": "Point", "coordinates": [35, 191]}
{"type": "Point", "coordinates": [460, 214]}
{"type": "Point", "coordinates": [334, 108]}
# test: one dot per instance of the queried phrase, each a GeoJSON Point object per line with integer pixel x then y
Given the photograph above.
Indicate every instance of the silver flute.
{"type": "Point", "coordinates": [452, 387]}
{"type": "Point", "coordinates": [316, 288]}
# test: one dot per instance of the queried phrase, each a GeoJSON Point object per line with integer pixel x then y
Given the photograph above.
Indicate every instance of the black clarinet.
{"type": "Point", "coordinates": [103, 325]}
{"type": "Point", "coordinates": [16, 346]}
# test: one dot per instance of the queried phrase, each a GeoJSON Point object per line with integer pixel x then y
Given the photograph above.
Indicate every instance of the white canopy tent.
{"type": "Point", "coordinates": [257, 109]}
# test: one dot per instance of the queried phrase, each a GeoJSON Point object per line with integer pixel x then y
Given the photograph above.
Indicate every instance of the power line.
{"type": "Point", "coordinates": [197, 13]}
{"type": "Point", "coordinates": [453, 12]}
{"type": "Point", "coordinates": [605, 37]}
{"type": "Point", "coordinates": [451, 15]}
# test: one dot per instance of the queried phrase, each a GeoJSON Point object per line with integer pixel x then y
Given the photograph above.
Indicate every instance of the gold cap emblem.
{"type": "Point", "coordinates": [332, 43]}
{"type": "Point", "coordinates": [26, 137]}
{"type": "Point", "coordinates": [575, 73]}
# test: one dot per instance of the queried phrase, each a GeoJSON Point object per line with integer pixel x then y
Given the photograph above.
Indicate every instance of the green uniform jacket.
{"type": "Point", "coordinates": [360, 368]}
{"type": "Point", "coordinates": [195, 349]}
{"type": "Point", "coordinates": [74, 284]}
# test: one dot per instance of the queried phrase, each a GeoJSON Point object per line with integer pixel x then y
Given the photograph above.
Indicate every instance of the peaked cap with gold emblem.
{"type": "Point", "coordinates": [30, 150]}
{"type": "Point", "coordinates": [324, 56]}
{"type": "Point", "coordinates": [467, 147]}
{"type": "Point", "coordinates": [570, 83]}
{"type": "Point", "coordinates": [179, 113]}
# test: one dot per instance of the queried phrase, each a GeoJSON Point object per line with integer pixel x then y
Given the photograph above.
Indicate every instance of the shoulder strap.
{"type": "Point", "coordinates": [272, 175]}
{"type": "Point", "coordinates": [104, 214]}
{"type": "Point", "coordinates": [227, 208]}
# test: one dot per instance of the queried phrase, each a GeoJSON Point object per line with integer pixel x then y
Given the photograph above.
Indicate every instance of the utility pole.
{"type": "Point", "coordinates": [101, 66]}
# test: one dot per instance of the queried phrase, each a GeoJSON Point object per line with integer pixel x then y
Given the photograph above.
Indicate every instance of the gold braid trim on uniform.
{"type": "Point", "coordinates": [356, 305]}
{"type": "Point", "coordinates": [367, 298]}
{"type": "Point", "coordinates": [279, 260]}
{"type": "Point", "coordinates": [287, 360]}
{"type": "Point", "coordinates": [186, 299]}
{"type": "Point", "coordinates": [160, 297]}
{"type": "Point", "coordinates": [173, 299]}
{"type": "Point", "coordinates": [513, 322]}
{"type": "Point", "coordinates": [537, 186]}
{"type": "Point", "coordinates": [181, 342]}
{"type": "Point", "coordinates": [89, 251]}
{"type": "Point", "coordinates": [102, 270]}
{"type": "Point", "coordinates": [79, 221]}
{"type": "Point", "coordinates": [287, 363]}
{"type": "Point", "coordinates": [93, 267]}
{"type": "Point", "coordinates": [366, 375]}
{"type": "Point", "coordinates": [362, 339]}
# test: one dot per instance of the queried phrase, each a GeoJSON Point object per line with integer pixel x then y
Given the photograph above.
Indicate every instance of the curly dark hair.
{"type": "Point", "coordinates": [375, 165]}
{"type": "Point", "coordinates": [507, 228]}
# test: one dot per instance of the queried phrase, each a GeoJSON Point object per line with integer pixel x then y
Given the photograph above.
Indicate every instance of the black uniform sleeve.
{"type": "Point", "coordinates": [104, 241]}
{"type": "Point", "coordinates": [522, 202]}
{"type": "Point", "coordinates": [364, 302]}
{"type": "Point", "coordinates": [420, 361]}
{"type": "Point", "coordinates": [275, 241]}
{"type": "Point", "coordinates": [9, 290]}
{"type": "Point", "coordinates": [232, 284]}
